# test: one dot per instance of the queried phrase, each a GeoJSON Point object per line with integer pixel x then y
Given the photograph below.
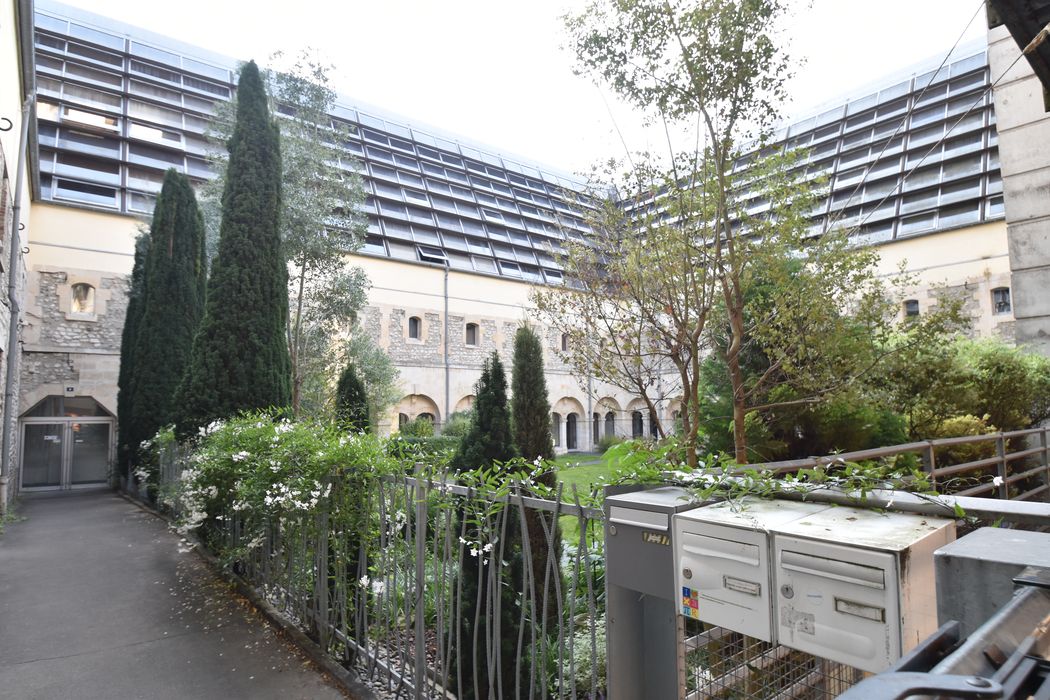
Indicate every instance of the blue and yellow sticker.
{"type": "Point", "coordinates": [690, 603]}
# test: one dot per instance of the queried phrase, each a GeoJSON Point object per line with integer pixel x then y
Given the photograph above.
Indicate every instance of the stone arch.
{"type": "Point", "coordinates": [573, 421]}
{"type": "Point", "coordinates": [568, 404]}
{"type": "Point", "coordinates": [608, 416]}
{"type": "Point", "coordinates": [414, 405]}
{"type": "Point", "coordinates": [465, 404]}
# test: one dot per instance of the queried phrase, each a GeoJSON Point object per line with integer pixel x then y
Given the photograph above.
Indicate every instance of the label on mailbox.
{"type": "Point", "coordinates": [656, 538]}
{"type": "Point", "coordinates": [690, 603]}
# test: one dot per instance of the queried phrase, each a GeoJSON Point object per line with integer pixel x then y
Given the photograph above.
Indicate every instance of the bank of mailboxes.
{"type": "Point", "coordinates": [846, 584]}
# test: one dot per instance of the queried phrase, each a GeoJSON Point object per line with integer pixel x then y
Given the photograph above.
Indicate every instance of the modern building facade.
{"type": "Point", "coordinates": [458, 235]}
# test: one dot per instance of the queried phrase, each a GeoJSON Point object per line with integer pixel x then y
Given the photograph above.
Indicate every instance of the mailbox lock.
{"type": "Point", "coordinates": [612, 529]}
{"type": "Point", "coordinates": [687, 573]}
{"type": "Point", "coordinates": [787, 591]}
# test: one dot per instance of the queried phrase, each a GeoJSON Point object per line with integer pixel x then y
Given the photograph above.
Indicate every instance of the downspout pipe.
{"type": "Point", "coordinates": [446, 352]}
{"type": "Point", "coordinates": [14, 304]}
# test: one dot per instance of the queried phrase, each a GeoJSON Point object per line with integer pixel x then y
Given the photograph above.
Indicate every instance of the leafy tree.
{"type": "Point", "coordinates": [240, 359]}
{"type": "Point", "coordinates": [351, 403]}
{"type": "Point", "coordinates": [984, 378]}
{"type": "Point", "coordinates": [1011, 384]}
{"type": "Point", "coordinates": [125, 447]}
{"type": "Point", "coordinates": [320, 221]}
{"type": "Point", "coordinates": [637, 311]}
{"type": "Point", "coordinates": [811, 307]}
{"type": "Point", "coordinates": [172, 306]}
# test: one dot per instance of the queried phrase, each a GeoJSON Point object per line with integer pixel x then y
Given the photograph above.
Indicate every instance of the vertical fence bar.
{"type": "Point", "coordinates": [1046, 461]}
{"type": "Point", "coordinates": [929, 459]}
{"type": "Point", "coordinates": [419, 682]}
{"type": "Point", "coordinates": [1000, 451]}
{"type": "Point", "coordinates": [321, 562]}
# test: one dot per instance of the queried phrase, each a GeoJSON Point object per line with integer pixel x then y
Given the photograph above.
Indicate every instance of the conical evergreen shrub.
{"type": "Point", "coordinates": [240, 354]}
{"type": "Point", "coordinates": [173, 303]}
{"type": "Point", "coordinates": [351, 401]}
{"type": "Point", "coordinates": [531, 417]}
{"type": "Point", "coordinates": [127, 347]}
{"type": "Point", "coordinates": [489, 441]}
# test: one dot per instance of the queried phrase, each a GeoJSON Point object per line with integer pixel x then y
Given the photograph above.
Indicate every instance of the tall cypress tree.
{"type": "Point", "coordinates": [489, 440]}
{"type": "Point", "coordinates": [127, 345]}
{"type": "Point", "coordinates": [531, 416]}
{"type": "Point", "coordinates": [351, 401]}
{"type": "Point", "coordinates": [240, 359]}
{"type": "Point", "coordinates": [173, 303]}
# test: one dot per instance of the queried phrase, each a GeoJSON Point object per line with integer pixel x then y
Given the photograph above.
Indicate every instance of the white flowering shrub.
{"type": "Point", "coordinates": [269, 472]}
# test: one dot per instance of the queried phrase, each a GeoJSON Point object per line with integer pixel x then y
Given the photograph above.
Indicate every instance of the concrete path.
{"type": "Point", "coordinates": [99, 600]}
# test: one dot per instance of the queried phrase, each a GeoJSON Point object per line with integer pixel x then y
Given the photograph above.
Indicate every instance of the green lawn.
{"type": "Point", "coordinates": [583, 477]}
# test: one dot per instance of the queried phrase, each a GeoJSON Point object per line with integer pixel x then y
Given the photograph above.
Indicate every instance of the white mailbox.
{"type": "Point", "coordinates": [723, 555]}
{"type": "Point", "coordinates": [855, 585]}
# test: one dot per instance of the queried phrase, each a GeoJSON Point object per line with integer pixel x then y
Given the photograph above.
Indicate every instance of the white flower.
{"type": "Point", "coordinates": [378, 587]}
{"type": "Point", "coordinates": [364, 581]}
{"type": "Point", "coordinates": [240, 456]}
{"type": "Point", "coordinates": [997, 481]}
{"type": "Point", "coordinates": [474, 551]}
{"type": "Point", "coordinates": [487, 548]}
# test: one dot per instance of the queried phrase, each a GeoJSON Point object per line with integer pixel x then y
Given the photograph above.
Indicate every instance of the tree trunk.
{"type": "Point", "coordinates": [736, 378]}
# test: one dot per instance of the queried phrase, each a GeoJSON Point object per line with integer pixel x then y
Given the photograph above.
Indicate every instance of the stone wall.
{"type": "Point", "coordinates": [68, 351]}
{"type": "Point", "coordinates": [1023, 126]}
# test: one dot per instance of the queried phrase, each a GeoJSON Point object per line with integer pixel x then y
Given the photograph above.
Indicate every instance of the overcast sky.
{"type": "Point", "coordinates": [495, 72]}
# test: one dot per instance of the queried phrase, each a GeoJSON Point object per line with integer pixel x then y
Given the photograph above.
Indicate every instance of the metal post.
{"type": "Point", "coordinates": [1046, 460]}
{"type": "Point", "coordinates": [929, 458]}
{"type": "Point", "coordinates": [321, 557]}
{"type": "Point", "coordinates": [1000, 449]}
{"type": "Point", "coordinates": [446, 339]}
{"type": "Point", "coordinates": [419, 681]}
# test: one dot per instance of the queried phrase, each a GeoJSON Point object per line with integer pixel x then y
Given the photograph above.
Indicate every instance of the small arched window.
{"type": "Point", "coordinates": [565, 342]}
{"type": "Point", "coordinates": [911, 308]}
{"type": "Point", "coordinates": [402, 420]}
{"type": "Point", "coordinates": [472, 334]}
{"type": "Point", "coordinates": [637, 424]}
{"type": "Point", "coordinates": [415, 328]}
{"type": "Point", "coordinates": [426, 416]}
{"type": "Point", "coordinates": [610, 424]}
{"type": "Point", "coordinates": [556, 428]}
{"type": "Point", "coordinates": [83, 301]}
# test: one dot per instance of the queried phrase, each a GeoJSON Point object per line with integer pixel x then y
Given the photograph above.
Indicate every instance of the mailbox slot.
{"type": "Point", "coordinates": [723, 556]}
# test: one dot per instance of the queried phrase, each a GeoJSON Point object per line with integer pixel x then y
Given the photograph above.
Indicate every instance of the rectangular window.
{"type": "Point", "coordinates": [1001, 301]}
{"type": "Point", "coordinates": [154, 113]}
{"type": "Point", "coordinates": [71, 114]}
{"type": "Point", "coordinates": [155, 72]}
{"type": "Point", "coordinates": [91, 97]}
{"type": "Point", "coordinates": [205, 86]}
{"type": "Point", "coordinates": [87, 194]}
{"type": "Point", "coordinates": [150, 133]}
{"type": "Point", "coordinates": [84, 168]}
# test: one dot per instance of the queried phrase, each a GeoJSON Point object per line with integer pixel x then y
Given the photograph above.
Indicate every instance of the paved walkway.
{"type": "Point", "coordinates": [98, 600]}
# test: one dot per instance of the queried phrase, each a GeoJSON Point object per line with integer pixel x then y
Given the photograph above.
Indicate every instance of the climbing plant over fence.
{"type": "Point", "coordinates": [366, 551]}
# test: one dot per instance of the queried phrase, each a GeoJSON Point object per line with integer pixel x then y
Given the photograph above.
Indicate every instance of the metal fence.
{"type": "Point", "coordinates": [443, 590]}
{"type": "Point", "coordinates": [446, 590]}
{"type": "Point", "coordinates": [1013, 465]}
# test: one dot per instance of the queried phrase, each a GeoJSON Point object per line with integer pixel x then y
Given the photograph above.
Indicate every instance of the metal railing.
{"type": "Point", "coordinates": [1014, 469]}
